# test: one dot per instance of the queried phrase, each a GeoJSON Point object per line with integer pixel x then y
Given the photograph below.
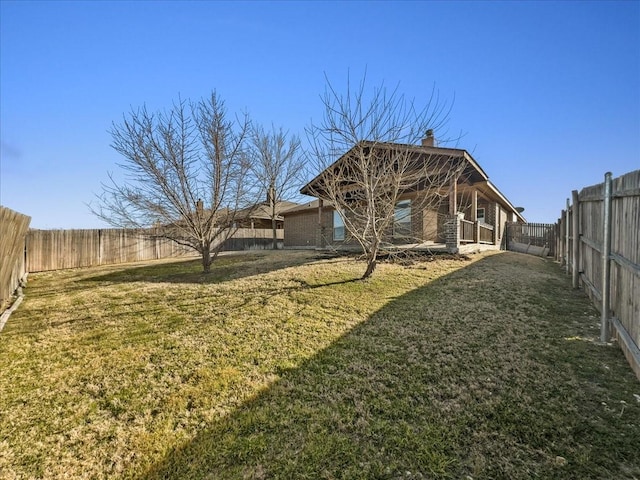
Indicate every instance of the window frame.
{"type": "Point", "coordinates": [338, 225]}
{"type": "Point", "coordinates": [484, 215]}
{"type": "Point", "coordinates": [403, 226]}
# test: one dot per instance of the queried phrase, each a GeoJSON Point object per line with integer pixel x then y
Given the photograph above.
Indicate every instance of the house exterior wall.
{"type": "Point", "coordinates": [490, 213]}
{"type": "Point", "coordinates": [300, 228]}
{"type": "Point", "coordinates": [497, 216]}
{"type": "Point", "coordinates": [430, 225]}
{"type": "Point", "coordinates": [443, 217]}
{"type": "Point", "coordinates": [503, 217]}
{"type": "Point", "coordinates": [427, 224]}
{"type": "Point", "coordinates": [482, 203]}
{"type": "Point", "coordinates": [419, 227]}
{"type": "Point", "coordinates": [327, 231]}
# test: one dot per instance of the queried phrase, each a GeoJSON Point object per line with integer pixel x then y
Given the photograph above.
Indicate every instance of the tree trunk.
{"type": "Point", "coordinates": [372, 258]}
{"type": "Point", "coordinates": [206, 259]}
{"type": "Point", "coordinates": [272, 205]}
{"type": "Point", "coordinates": [275, 233]}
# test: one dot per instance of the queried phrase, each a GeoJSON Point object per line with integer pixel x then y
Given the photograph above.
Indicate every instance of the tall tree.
{"type": "Point", "coordinates": [382, 132]}
{"type": "Point", "coordinates": [186, 173]}
{"type": "Point", "coordinates": [277, 165]}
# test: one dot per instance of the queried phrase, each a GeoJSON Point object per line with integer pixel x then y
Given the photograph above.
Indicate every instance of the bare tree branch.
{"type": "Point", "coordinates": [277, 165]}
{"type": "Point", "coordinates": [187, 174]}
{"type": "Point", "coordinates": [367, 151]}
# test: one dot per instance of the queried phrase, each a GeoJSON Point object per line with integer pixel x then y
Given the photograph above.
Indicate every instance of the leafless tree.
{"type": "Point", "coordinates": [381, 132]}
{"type": "Point", "coordinates": [186, 174]}
{"type": "Point", "coordinates": [277, 165]}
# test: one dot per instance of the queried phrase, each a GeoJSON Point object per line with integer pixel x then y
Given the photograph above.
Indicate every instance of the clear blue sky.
{"type": "Point", "coordinates": [547, 94]}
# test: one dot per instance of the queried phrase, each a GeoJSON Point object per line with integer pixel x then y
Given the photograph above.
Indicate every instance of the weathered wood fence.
{"type": "Point", "coordinates": [13, 229]}
{"type": "Point", "coordinates": [60, 249]}
{"type": "Point", "coordinates": [533, 238]}
{"type": "Point", "coordinates": [253, 239]}
{"type": "Point", "coordinates": [599, 244]}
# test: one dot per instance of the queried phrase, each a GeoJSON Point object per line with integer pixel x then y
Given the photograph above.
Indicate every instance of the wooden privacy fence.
{"type": "Point", "coordinates": [60, 249]}
{"type": "Point", "coordinates": [13, 229]}
{"type": "Point", "coordinates": [599, 244]}
{"type": "Point", "coordinates": [254, 239]}
{"type": "Point", "coordinates": [533, 238]}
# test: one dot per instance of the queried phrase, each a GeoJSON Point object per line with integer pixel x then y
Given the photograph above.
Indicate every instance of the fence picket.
{"type": "Point", "coordinates": [522, 236]}
{"type": "Point", "coordinates": [607, 261]}
{"type": "Point", "coordinates": [61, 249]}
{"type": "Point", "coordinates": [13, 229]}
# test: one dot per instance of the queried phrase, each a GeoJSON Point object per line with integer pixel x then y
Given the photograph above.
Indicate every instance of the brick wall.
{"type": "Point", "coordinates": [300, 228]}
{"type": "Point", "coordinates": [452, 233]}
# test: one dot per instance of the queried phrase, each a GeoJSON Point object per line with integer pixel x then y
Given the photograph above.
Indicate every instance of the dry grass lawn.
{"type": "Point", "coordinates": [280, 365]}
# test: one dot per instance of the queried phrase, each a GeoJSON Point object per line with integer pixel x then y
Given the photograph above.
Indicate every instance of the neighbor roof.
{"type": "Point", "coordinates": [300, 208]}
{"type": "Point", "coordinates": [262, 211]}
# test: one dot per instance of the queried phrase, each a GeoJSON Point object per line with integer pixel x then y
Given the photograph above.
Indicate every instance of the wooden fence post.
{"type": "Point", "coordinates": [566, 238]}
{"type": "Point", "coordinates": [558, 232]}
{"type": "Point", "coordinates": [100, 247]}
{"type": "Point", "coordinates": [576, 239]}
{"type": "Point", "coordinates": [606, 254]}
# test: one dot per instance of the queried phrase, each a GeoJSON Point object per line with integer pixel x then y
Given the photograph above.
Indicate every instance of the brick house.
{"type": "Point", "coordinates": [473, 211]}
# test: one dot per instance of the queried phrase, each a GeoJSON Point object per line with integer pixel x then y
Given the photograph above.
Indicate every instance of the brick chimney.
{"type": "Point", "coordinates": [429, 139]}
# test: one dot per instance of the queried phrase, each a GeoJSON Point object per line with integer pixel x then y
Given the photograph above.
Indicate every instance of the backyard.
{"type": "Point", "coordinates": [282, 365]}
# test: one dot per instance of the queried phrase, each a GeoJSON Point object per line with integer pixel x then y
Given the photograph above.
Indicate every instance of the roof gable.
{"type": "Point", "coordinates": [472, 173]}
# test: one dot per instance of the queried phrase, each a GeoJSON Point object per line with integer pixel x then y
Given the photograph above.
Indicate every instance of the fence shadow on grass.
{"type": "Point", "coordinates": [469, 375]}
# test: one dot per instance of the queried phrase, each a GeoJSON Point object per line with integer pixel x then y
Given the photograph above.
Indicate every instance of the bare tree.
{"type": "Point", "coordinates": [187, 174]}
{"type": "Point", "coordinates": [277, 165]}
{"type": "Point", "coordinates": [366, 153]}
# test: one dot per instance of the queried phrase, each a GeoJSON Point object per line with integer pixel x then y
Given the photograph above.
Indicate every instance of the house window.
{"type": "Point", "coordinates": [480, 215]}
{"type": "Point", "coordinates": [338, 226]}
{"type": "Point", "coordinates": [402, 219]}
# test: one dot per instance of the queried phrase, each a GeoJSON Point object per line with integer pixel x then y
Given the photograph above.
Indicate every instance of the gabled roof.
{"type": "Point", "coordinates": [472, 173]}
{"type": "Point", "coordinates": [302, 207]}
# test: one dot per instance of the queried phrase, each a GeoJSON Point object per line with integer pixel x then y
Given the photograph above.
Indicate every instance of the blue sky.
{"type": "Point", "coordinates": [547, 94]}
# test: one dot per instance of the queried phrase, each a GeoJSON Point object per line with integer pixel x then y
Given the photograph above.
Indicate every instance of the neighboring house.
{"type": "Point", "coordinates": [246, 229]}
{"type": "Point", "coordinates": [473, 211]}
{"type": "Point", "coordinates": [260, 215]}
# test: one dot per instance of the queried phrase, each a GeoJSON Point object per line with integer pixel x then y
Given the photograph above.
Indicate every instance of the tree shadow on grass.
{"type": "Point", "coordinates": [225, 267]}
{"type": "Point", "coordinates": [463, 376]}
